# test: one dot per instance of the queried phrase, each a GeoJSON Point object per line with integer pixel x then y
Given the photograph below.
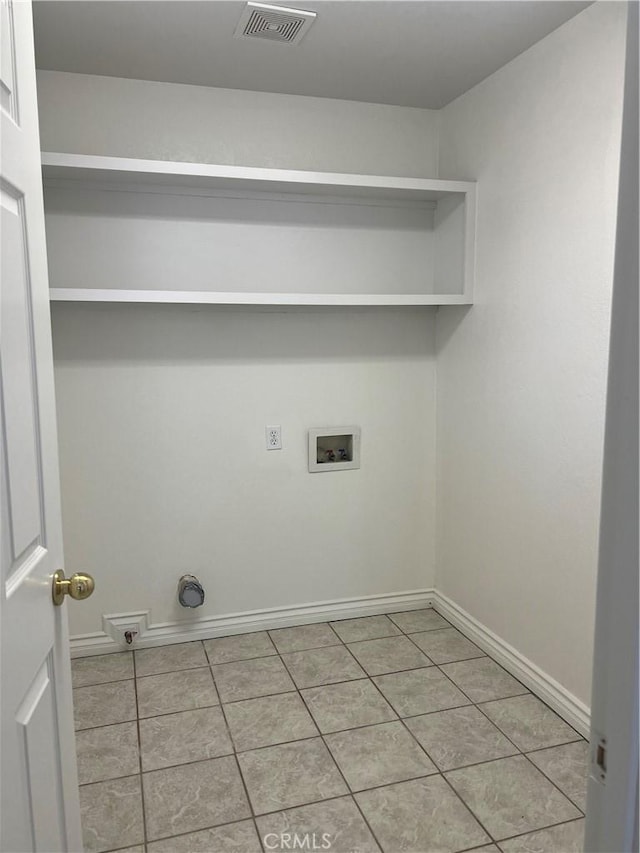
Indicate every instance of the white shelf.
{"type": "Point", "coordinates": [121, 171]}
{"type": "Point", "coordinates": [128, 230]}
{"type": "Point", "coordinates": [190, 297]}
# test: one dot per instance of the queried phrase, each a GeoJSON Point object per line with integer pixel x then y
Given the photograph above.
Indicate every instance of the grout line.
{"type": "Point", "coordinates": [182, 671]}
{"type": "Point", "coordinates": [337, 766]}
{"type": "Point", "coordinates": [540, 829]}
{"type": "Point", "coordinates": [469, 809]}
{"type": "Point", "coordinates": [345, 796]}
{"type": "Point", "coordinates": [370, 639]}
{"type": "Point", "coordinates": [115, 779]}
{"type": "Point", "coordinates": [242, 779]}
{"type": "Point", "coordinates": [555, 713]}
{"type": "Point", "coordinates": [504, 734]}
{"type": "Point", "coordinates": [474, 701]}
{"type": "Point", "coordinates": [480, 654]}
{"type": "Point", "coordinates": [312, 648]}
{"type": "Point", "coordinates": [181, 711]}
{"type": "Point", "coordinates": [323, 735]}
{"type": "Point", "coordinates": [103, 683]}
{"type": "Point", "coordinates": [142, 797]}
{"type": "Point", "coordinates": [338, 641]}
{"type": "Point", "coordinates": [297, 690]}
{"type": "Point", "coordinates": [211, 663]}
{"type": "Point", "coordinates": [405, 727]}
{"type": "Point", "coordinates": [126, 849]}
{"type": "Point", "coordinates": [555, 745]}
{"type": "Point", "coordinates": [181, 668]}
{"type": "Point", "coordinates": [104, 725]}
{"type": "Point", "coordinates": [420, 630]}
{"type": "Point", "coordinates": [521, 751]}
{"type": "Point", "coordinates": [192, 832]}
{"type": "Point", "coordinates": [557, 787]}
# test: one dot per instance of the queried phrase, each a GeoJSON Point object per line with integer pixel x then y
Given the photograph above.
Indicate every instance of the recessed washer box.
{"type": "Point", "coordinates": [334, 448]}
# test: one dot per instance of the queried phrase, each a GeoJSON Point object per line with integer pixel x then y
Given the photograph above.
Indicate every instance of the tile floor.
{"type": "Point", "coordinates": [391, 733]}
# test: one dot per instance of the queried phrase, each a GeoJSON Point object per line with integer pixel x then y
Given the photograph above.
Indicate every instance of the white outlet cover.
{"type": "Point", "coordinates": [273, 437]}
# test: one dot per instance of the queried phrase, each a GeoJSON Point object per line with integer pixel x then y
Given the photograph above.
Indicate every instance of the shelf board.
{"type": "Point", "coordinates": [119, 172]}
{"type": "Point", "coordinates": [73, 294]}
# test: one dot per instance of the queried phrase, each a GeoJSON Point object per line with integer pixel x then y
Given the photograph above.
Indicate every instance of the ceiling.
{"type": "Point", "coordinates": [418, 53]}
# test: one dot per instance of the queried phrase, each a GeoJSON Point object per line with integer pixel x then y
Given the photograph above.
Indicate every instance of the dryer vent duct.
{"type": "Point", "coordinates": [190, 591]}
{"type": "Point", "coordinates": [274, 23]}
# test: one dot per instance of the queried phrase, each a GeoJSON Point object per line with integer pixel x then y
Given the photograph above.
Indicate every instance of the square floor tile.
{"type": "Point", "coordinates": [446, 645]}
{"type": "Point", "coordinates": [231, 838]}
{"type": "Point", "coordinates": [104, 704]}
{"type": "Point", "coordinates": [421, 815]}
{"type": "Point", "coordinates": [419, 691]}
{"type": "Point", "coordinates": [99, 669]}
{"type": "Point", "coordinates": [279, 777]}
{"type": "Point", "coordinates": [175, 691]}
{"type": "Point", "coordinates": [183, 737]}
{"type": "Point", "coordinates": [304, 637]}
{"type": "Point", "coordinates": [249, 679]}
{"type": "Point", "coordinates": [193, 796]}
{"type": "Point", "coordinates": [510, 796]}
{"type": "Point", "coordinates": [364, 628]}
{"type": "Point", "coordinates": [322, 666]}
{"type": "Point", "coordinates": [107, 752]}
{"type": "Point", "coordinates": [111, 814]}
{"type": "Point", "coordinates": [343, 706]}
{"type": "Point", "coordinates": [529, 723]}
{"type": "Point", "coordinates": [239, 647]}
{"type": "Point", "coordinates": [378, 755]}
{"type": "Point", "coordinates": [269, 720]}
{"type": "Point", "coordinates": [568, 767]}
{"type": "Point", "coordinates": [388, 654]}
{"type": "Point", "coordinates": [565, 838]}
{"type": "Point", "coordinates": [483, 679]}
{"type": "Point", "coordinates": [459, 737]}
{"type": "Point", "coordinates": [412, 621]}
{"type": "Point", "coordinates": [335, 823]}
{"type": "Point", "coordinates": [170, 658]}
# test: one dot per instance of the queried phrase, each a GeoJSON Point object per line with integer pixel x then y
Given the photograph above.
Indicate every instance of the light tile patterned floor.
{"type": "Point", "coordinates": [387, 733]}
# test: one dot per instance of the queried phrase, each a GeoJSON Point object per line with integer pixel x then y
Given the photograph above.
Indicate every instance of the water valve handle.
{"type": "Point", "coordinates": [190, 591]}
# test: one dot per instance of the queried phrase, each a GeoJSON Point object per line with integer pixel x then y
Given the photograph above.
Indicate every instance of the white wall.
{"type": "Point", "coordinates": [162, 409]}
{"type": "Point", "coordinates": [87, 114]}
{"type": "Point", "coordinates": [522, 374]}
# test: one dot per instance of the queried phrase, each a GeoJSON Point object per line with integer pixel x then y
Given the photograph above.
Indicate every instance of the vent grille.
{"type": "Point", "coordinates": [274, 23]}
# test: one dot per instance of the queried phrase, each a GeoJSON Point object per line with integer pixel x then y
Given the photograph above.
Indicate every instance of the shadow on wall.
{"type": "Point", "coordinates": [449, 321]}
{"type": "Point", "coordinates": [207, 334]}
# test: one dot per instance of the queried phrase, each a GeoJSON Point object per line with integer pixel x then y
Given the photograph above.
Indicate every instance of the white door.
{"type": "Point", "coordinates": [39, 794]}
{"type": "Point", "coordinates": [612, 804]}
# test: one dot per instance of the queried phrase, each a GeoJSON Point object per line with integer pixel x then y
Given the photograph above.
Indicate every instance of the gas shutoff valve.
{"type": "Point", "coordinates": [190, 591]}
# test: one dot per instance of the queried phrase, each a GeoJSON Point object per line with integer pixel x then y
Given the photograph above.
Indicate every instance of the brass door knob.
{"type": "Point", "coordinates": [78, 586]}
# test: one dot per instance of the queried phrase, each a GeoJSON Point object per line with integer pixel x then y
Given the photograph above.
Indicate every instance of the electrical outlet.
{"type": "Point", "coordinates": [274, 437]}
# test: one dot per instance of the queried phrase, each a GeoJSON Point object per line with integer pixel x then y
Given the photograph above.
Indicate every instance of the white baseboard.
{"type": "Point", "coordinates": [575, 712]}
{"type": "Point", "coordinates": [207, 628]}
{"type": "Point", "coordinates": [568, 706]}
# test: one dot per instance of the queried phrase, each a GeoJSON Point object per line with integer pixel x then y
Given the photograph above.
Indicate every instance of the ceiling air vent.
{"type": "Point", "coordinates": [274, 23]}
